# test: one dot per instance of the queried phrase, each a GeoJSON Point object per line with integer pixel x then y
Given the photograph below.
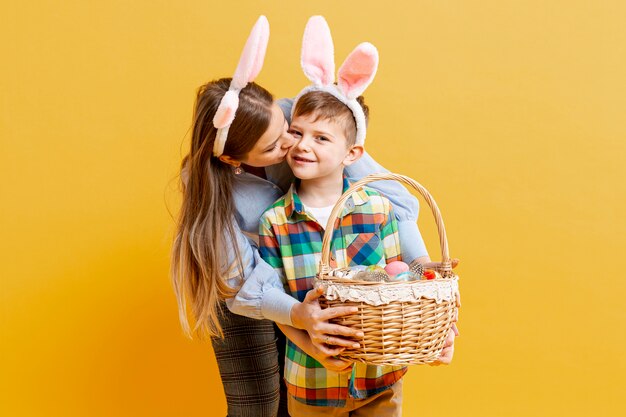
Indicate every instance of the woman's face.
{"type": "Point", "coordinates": [272, 147]}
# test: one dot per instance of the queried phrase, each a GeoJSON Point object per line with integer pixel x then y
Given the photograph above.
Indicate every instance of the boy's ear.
{"type": "Point", "coordinates": [354, 154]}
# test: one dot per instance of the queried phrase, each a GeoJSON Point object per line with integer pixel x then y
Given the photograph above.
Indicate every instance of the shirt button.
{"type": "Point", "coordinates": [350, 204]}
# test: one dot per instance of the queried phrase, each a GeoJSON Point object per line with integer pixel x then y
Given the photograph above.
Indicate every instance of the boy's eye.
{"type": "Point", "coordinates": [295, 133]}
{"type": "Point", "coordinates": [323, 138]}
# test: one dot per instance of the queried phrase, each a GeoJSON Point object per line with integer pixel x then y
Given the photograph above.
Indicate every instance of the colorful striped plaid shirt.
{"type": "Point", "coordinates": [290, 240]}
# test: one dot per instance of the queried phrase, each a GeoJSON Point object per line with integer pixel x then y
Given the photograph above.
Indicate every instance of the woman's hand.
{"type": "Point", "coordinates": [427, 264]}
{"type": "Point", "coordinates": [308, 315]}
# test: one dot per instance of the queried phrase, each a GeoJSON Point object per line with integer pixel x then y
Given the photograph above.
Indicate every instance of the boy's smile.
{"type": "Point", "coordinates": [299, 159]}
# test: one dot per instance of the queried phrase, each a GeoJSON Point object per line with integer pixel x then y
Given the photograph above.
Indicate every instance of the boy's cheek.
{"type": "Point", "coordinates": [289, 155]}
{"type": "Point", "coordinates": [289, 159]}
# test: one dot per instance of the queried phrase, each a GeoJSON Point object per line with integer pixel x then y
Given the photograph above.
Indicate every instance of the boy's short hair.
{"type": "Point", "coordinates": [325, 106]}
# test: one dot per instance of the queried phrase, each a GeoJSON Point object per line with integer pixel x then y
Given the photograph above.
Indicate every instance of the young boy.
{"type": "Point", "coordinates": [291, 233]}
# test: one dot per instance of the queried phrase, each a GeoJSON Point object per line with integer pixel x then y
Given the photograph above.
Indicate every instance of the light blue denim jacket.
{"type": "Point", "coordinates": [262, 294]}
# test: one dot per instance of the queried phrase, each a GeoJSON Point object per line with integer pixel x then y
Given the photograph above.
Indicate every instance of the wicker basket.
{"type": "Point", "coordinates": [405, 329]}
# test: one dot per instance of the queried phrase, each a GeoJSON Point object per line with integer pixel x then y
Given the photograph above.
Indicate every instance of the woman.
{"type": "Point", "coordinates": [228, 179]}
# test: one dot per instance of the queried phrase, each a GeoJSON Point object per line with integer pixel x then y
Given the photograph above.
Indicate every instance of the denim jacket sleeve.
{"type": "Point", "coordinates": [405, 206]}
{"type": "Point", "coordinates": [261, 295]}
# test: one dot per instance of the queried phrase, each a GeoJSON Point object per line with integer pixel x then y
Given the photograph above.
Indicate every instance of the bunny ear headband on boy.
{"type": "Point", "coordinates": [355, 74]}
{"type": "Point", "coordinates": [249, 66]}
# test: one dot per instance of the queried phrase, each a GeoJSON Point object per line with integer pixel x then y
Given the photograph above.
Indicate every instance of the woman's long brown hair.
{"type": "Point", "coordinates": [205, 250]}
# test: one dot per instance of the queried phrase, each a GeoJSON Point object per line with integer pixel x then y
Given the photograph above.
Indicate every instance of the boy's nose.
{"type": "Point", "coordinates": [303, 144]}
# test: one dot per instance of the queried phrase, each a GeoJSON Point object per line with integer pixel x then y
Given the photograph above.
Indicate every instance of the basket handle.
{"type": "Point", "coordinates": [446, 265]}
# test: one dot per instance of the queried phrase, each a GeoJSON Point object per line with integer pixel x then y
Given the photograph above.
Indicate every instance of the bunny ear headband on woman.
{"type": "Point", "coordinates": [249, 66]}
{"type": "Point", "coordinates": [355, 74]}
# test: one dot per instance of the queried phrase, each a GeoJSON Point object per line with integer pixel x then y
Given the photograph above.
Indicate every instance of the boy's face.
{"type": "Point", "coordinates": [321, 148]}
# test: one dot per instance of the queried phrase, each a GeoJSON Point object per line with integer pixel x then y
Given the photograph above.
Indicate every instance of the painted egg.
{"type": "Point", "coordinates": [396, 267]}
{"type": "Point", "coordinates": [429, 274]}
{"type": "Point", "coordinates": [375, 268]}
{"type": "Point", "coordinates": [403, 276]}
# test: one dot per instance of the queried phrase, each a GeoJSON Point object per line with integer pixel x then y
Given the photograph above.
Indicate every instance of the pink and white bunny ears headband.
{"type": "Point", "coordinates": [355, 74]}
{"type": "Point", "coordinates": [250, 64]}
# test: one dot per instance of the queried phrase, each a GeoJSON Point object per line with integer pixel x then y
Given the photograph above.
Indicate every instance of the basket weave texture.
{"type": "Point", "coordinates": [408, 322]}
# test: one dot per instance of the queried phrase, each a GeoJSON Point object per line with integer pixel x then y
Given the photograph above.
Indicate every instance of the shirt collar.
{"type": "Point", "coordinates": [293, 204]}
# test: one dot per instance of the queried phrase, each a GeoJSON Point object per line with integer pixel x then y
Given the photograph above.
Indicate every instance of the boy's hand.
{"type": "Point", "coordinates": [445, 357]}
{"type": "Point", "coordinates": [336, 365]}
{"type": "Point", "coordinates": [308, 315]}
{"type": "Point", "coordinates": [325, 356]}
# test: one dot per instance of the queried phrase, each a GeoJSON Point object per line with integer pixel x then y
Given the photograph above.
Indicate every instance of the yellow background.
{"type": "Point", "coordinates": [510, 112]}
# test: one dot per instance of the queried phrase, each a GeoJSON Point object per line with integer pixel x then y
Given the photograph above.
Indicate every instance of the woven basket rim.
{"type": "Point", "coordinates": [352, 281]}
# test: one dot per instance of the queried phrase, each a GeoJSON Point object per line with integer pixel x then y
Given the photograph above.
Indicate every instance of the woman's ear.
{"type": "Point", "coordinates": [354, 154]}
{"type": "Point", "coordinates": [230, 161]}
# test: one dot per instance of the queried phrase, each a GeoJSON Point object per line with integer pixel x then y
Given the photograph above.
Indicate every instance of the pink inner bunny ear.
{"type": "Point", "coordinates": [253, 54]}
{"type": "Point", "coordinates": [358, 70]}
{"type": "Point", "coordinates": [318, 61]}
{"type": "Point", "coordinates": [226, 111]}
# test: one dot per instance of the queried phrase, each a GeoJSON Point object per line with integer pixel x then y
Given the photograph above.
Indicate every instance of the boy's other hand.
{"type": "Point", "coordinates": [336, 365]}
{"type": "Point", "coordinates": [445, 357]}
{"type": "Point", "coordinates": [325, 355]}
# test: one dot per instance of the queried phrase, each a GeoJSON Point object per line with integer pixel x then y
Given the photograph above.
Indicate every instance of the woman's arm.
{"type": "Point", "coordinates": [389, 236]}
{"type": "Point", "coordinates": [405, 206]}
{"type": "Point", "coordinates": [261, 293]}
{"type": "Point", "coordinates": [262, 296]}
